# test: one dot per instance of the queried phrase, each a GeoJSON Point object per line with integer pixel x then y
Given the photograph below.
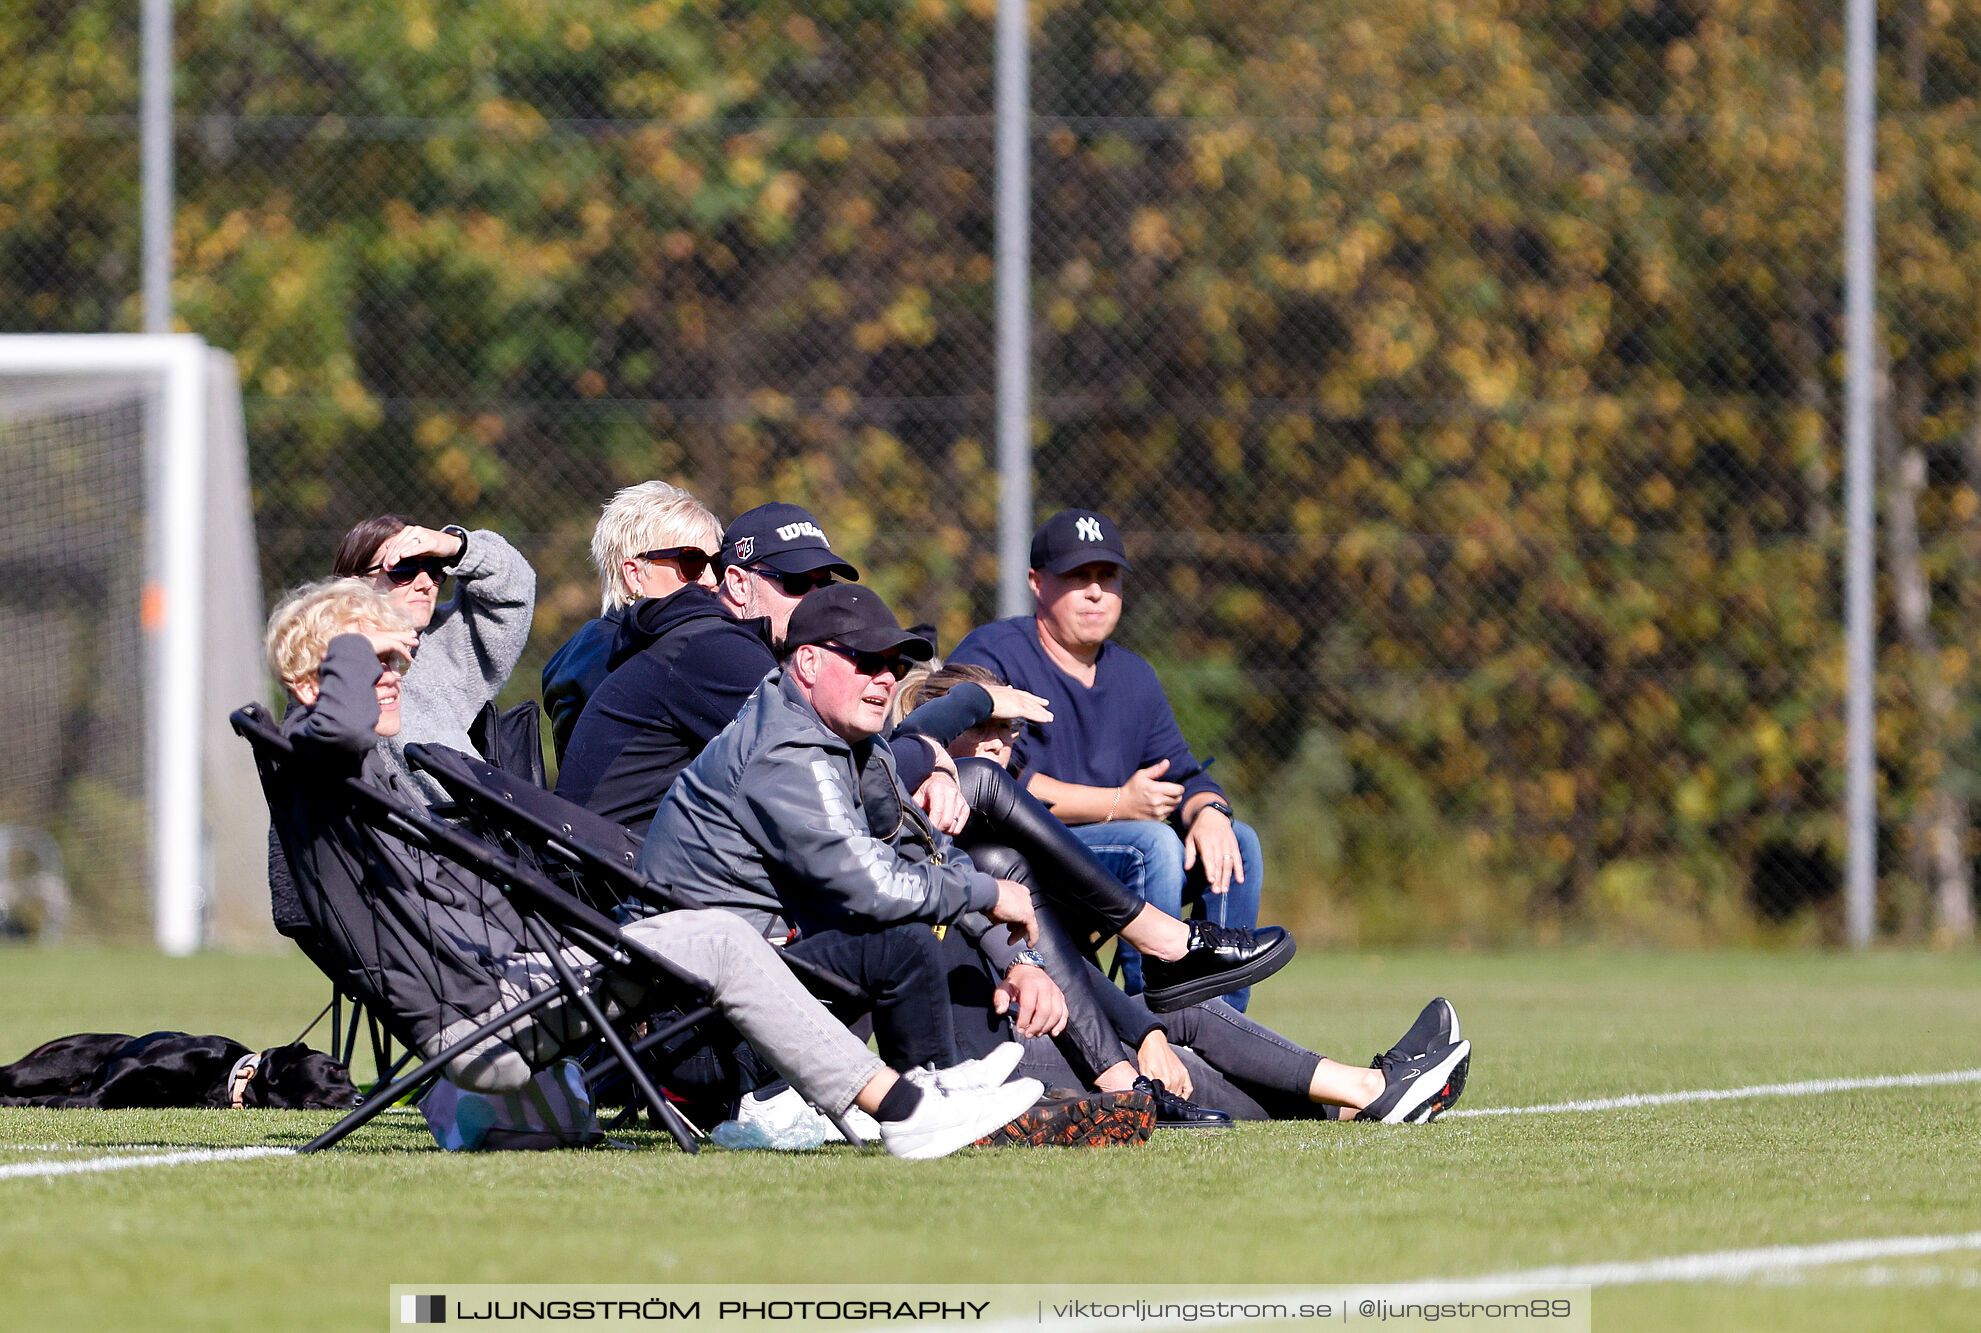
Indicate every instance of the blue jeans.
{"type": "Point", "coordinates": [1148, 858]}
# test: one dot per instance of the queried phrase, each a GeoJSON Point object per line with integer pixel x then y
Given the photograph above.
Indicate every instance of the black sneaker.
{"type": "Point", "coordinates": [1412, 1084]}
{"type": "Point", "coordinates": [1436, 1027]}
{"type": "Point", "coordinates": [1220, 959]}
{"type": "Point", "coordinates": [1454, 1085]}
{"type": "Point", "coordinates": [1173, 1112]}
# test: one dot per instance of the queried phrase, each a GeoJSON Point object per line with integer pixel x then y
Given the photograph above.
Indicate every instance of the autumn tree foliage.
{"type": "Point", "coordinates": [1464, 372]}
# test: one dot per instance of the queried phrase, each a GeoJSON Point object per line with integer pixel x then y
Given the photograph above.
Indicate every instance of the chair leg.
{"type": "Point", "coordinates": [611, 1063]}
{"type": "Point", "coordinates": [337, 1025]}
{"type": "Point", "coordinates": [693, 1018]}
{"type": "Point", "coordinates": [381, 1042]}
{"type": "Point", "coordinates": [669, 1118]}
{"type": "Point", "coordinates": [387, 1072]}
{"type": "Point", "coordinates": [373, 1105]}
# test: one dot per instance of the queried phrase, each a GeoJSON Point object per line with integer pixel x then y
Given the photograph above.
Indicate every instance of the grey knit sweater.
{"type": "Point", "coordinates": [466, 653]}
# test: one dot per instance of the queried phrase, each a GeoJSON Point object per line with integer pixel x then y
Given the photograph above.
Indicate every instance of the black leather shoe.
{"type": "Point", "coordinates": [1173, 1112]}
{"type": "Point", "coordinates": [1220, 959]}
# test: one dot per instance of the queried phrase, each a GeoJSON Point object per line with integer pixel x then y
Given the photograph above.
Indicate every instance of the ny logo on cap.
{"type": "Point", "coordinates": [1087, 529]}
{"type": "Point", "coordinates": [745, 547]}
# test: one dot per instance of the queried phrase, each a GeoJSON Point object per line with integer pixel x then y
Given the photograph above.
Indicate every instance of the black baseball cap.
{"type": "Point", "coordinates": [853, 617]}
{"type": "Point", "coordinates": [782, 537]}
{"type": "Point", "coordinates": [1075, 537]}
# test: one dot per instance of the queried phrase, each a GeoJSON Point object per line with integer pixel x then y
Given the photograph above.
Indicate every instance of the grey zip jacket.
{"type": "Point", "coordinates": [786, 824]}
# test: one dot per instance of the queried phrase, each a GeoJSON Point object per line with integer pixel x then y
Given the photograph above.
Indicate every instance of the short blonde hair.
{"type": "Point", "coordinates": [648, 517]}
{"type": "Point", "coordinates": [301, 627]}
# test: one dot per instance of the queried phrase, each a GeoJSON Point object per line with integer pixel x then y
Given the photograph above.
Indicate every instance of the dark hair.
{"type": "Point", "coordinates": [360, 545]}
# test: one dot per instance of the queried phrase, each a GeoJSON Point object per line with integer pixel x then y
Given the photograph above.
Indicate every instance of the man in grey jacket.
{"type": "Point", "coordinates": [794, 817]}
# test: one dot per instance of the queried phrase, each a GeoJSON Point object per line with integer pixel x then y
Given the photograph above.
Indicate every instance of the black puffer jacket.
{"type": "Point", "coordinates": [682, 668]}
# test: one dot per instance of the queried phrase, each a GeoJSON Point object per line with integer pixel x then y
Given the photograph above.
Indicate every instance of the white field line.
{"type": "Point", "coordinates": [1737, 1265]}
{"type": "Point", "coordinates": [87, 1147]}
{"type": "Point", "coordinates": [1772, 1262]}
{"type": "Point", "coordinates": [1809, 1088]}
{"type": "Point", "coordinates": [1806, 1088]}
{"type": "Point", "coordinates": [92, 1164]}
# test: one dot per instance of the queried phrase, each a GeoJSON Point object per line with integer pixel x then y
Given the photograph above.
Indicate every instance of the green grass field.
{"type": "Point", "coordinates": [313, 1243]}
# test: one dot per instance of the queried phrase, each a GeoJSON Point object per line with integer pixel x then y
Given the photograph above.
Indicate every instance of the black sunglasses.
{"type": "Point", "coordinates": [795, 585]}
{"type": "Point", "coordinates": [692, 559]}
{"type": "Point", "coordinates": [403, 573]}
{"type": "Point", "coordinates": [873, 664]}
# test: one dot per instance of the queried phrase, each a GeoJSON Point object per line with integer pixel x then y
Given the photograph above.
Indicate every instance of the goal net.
{"type": "Point", "coordinates": [130, 612]}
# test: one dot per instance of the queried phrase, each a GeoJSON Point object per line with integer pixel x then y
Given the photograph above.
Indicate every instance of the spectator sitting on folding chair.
{"type": "Point", "coordinates": [467, 646]}
{"type": "Point", "coordinates": [341, 649]}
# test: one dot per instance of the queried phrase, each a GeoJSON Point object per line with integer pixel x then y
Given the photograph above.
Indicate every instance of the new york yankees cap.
{"type": "Point", "coordinates": [1075, 537]}
{"type": "Point", "coordinates": [782, 537]}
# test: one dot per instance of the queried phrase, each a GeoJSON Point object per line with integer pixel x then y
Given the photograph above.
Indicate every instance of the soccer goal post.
{"type": "Point", "coordinates": [130, 608]}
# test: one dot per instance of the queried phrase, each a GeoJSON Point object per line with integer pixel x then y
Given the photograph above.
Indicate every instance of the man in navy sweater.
{"type": "Point", "coordinates": [1113, 764]}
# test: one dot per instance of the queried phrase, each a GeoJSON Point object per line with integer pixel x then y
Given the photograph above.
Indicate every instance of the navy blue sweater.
{"type": "Point", "coordinates": [681, 669]}
{"type": "Point", "coordinates": [1098, 737]}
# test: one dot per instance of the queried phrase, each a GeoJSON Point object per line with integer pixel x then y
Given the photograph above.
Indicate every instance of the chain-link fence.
{"type": "Point", "coordinates": [1464, 376]}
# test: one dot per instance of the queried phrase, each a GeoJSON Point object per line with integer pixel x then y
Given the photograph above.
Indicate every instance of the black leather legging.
{"type": "Point", "coordinates": [1064, 870]}
{"type": "Point", "coordinates": [1012, 836]}
{"type": "Point", "coordinates": [1089, 1042]}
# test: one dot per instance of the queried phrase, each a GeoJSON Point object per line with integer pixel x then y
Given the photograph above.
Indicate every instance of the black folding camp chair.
{"type": "Point", "coordinates": [596, 859]}
{"type": "Point", "coordinates": [551, 919]}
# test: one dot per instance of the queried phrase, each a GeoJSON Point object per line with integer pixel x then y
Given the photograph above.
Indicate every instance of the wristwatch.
{"type": "Point", "coordinates": [1030, 956]}
{"type": "Point", "coordinates": [1218, 806]}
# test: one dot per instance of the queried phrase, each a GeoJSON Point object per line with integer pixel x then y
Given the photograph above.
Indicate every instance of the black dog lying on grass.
{"type": "Point", "coordinates": [113, 1069]}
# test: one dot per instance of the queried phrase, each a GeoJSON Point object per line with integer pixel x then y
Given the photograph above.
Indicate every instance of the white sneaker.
{"type": "Point", "coordinates": [949, 1117]}
{"type": "Point", "coordinates": [856, 1120]}
{"type": "Point", "coordinates": [785, 1123]}
{"type": "Point", "coordinates": [986, 1072]}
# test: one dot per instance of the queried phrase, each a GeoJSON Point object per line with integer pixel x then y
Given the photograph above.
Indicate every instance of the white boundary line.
{"type": "Point", "coordinates": [1737, 1265]}
{"type": "Point", "coordinates": [93, 1164]}
{"type": "Point", "coordinates": [1808, 1088]}
{"type": "Point", "coordinates": [1712, 1266]}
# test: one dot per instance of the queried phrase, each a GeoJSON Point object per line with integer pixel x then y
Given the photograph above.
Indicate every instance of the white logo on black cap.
{"type": "Point", "coordinates": [745, 547]}
{"type": "Point", "coordinates": [1087, 529]}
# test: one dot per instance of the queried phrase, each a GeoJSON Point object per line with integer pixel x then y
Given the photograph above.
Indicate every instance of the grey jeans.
{"type": "Point", "coordinates": [746, 981]}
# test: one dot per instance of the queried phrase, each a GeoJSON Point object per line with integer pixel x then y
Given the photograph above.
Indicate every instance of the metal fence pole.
{"type": "Point", "coordinates": [1860, 311]}
{"type": "Point", "coordinates": [1014, 311]}
{"type": "Point", "coordinates": [155, 115]}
